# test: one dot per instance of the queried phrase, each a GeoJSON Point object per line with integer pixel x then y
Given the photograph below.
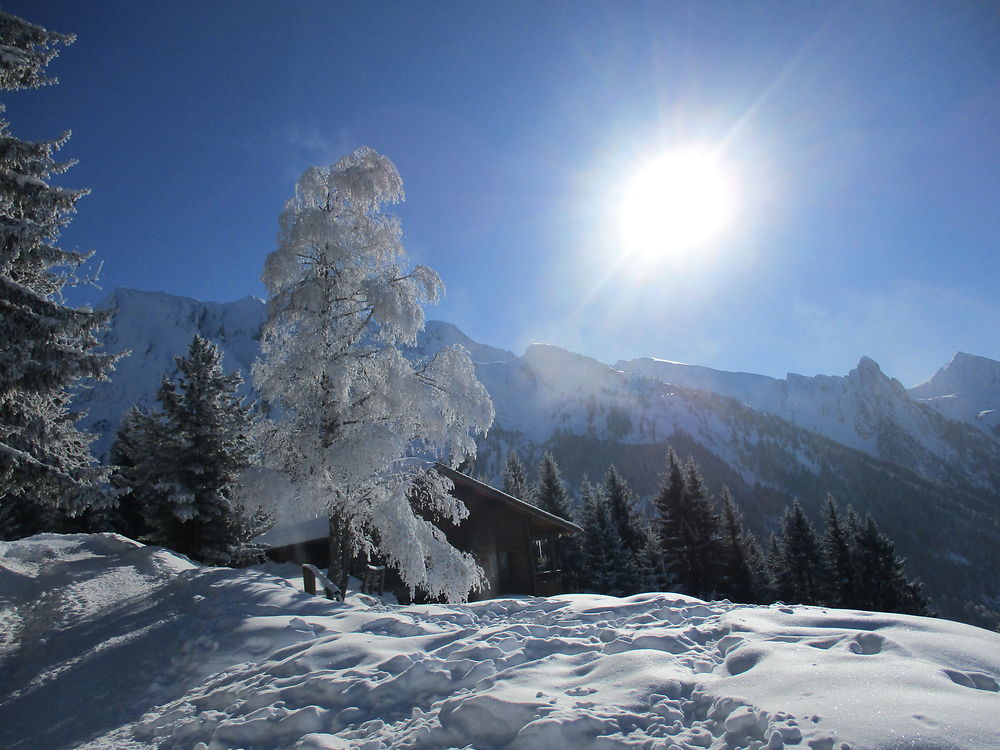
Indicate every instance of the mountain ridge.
{"type": "Point", "coordinates": [923, 475]}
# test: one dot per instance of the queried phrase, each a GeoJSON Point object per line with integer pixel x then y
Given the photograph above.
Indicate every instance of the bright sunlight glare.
{"type": "Point", "coordinates": [676, 204]}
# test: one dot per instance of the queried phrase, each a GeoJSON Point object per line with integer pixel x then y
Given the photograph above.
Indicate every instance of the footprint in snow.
{"type": "Point", "coordinates": [867, 644]}
{"type": "Point", "coordinates": [974, 680]}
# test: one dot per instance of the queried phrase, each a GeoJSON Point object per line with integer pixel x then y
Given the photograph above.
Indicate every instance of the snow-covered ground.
{"type": "Point", "coordinates": [105, 643]}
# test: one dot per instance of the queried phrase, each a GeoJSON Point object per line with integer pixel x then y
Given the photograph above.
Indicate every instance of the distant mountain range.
{"type": "Point", "coordinates": [924, 461]}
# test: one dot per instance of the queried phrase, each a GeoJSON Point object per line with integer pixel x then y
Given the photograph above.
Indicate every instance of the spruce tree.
{"type": "Point", "coordinates": [622, 506]}
{"type": "Point", "coordinates": [600, 544]}
{"type": "Point", "coordinates": [46, 347]}
{"type": "Point", "coordinates": [515, 478]}
{"type": "Point", "coordinates": [132, 440]}
{"type": "Point", "coordinates": [551, 495]}
{"type": "Point", "coordinates": [704, 553]}
{"type": "Point", "coordinates": [652, 571]}
{"type": "Point", "coordinates": [797, 565]}
{"type": "Point", "coordinates": [881, 578]}
{"type": "Point", "coordinates": [194, 451]}
{"type": "Point", "coordinates": [669, 522]}
{"type": "Point", "coordinates": [836, 547]}
{"type": "Point", "coordinates": [689, 529]}
{"type": "Point", "coordinates": [741, 561]}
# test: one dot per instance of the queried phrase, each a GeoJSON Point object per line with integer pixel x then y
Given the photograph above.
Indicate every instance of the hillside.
{"type": "Point", "coordinates": [109, 643]}
{"type": "Point", "coordinates": [929, 480]}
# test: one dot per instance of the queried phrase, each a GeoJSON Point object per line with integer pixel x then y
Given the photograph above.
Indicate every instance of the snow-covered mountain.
{"type": "Point", "coordinates": [932, 482]}
{"type": "Point", "coordinates": [966, 389]}
{"type": "Point", "coordinates": [156, 327]}
{"type": "Point", "coordinates": [865, 409]}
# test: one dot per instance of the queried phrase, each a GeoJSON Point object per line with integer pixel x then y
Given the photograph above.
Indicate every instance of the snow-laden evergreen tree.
{"type": "Point", "coordinates": [515, 478]}
{"type": "Point", "coordinates": [46, 347]}
{"type": "Point", "coordinates": [797, 568]}
{"type": "Point", "coordinates": [188, 458]}
{"type": "Point", "coordinates": [348, 408]}
{"type": "Point", "coordinates": [742, 572]}
{"type": "Point", "coordinates": [704, 557]}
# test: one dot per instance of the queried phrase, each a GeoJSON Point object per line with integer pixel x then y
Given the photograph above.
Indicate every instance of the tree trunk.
{"type": "Point", "coordinates": [338, 570]}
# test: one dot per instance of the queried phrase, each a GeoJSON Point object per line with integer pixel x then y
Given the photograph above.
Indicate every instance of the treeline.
{"type": "Point", "coordinates": [688, 542]}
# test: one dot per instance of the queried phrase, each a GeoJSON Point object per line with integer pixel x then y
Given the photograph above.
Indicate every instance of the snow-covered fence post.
{"type": "Point", "coordinates": [311, 574]}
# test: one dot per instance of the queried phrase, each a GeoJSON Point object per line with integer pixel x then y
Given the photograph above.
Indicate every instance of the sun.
{"type": "Point", "coordinates": [676, 204]}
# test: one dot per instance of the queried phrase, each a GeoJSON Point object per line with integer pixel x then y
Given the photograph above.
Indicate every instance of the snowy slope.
{"type": "Point", "coordinates": [865, 410]}
{"type": "Point", "coordinates": [110, 644]}
{"type": "Point", "coordinates": [966, 389]}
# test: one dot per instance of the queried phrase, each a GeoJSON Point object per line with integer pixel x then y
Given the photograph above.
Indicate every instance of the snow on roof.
{"type": "Point", "coordinates": [296, 532]}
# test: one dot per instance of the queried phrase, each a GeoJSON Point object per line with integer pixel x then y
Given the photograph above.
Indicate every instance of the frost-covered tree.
{"type": "Point", "coordinates": [46, 346]}
{"type": "Point", "coordinates": [621, 505]}
{"type": "Point", "coordinates": [348, 408]}
{"type": "Point", "coordinates": [515, 478]}
{"type": "Point", "coordinates": [187, 460]}
{"type": "Point", "coordinates": [669, 517]}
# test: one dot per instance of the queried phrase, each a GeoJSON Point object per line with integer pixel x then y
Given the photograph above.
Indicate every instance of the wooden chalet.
{"type": "Point", "coordinates": [511, 539]}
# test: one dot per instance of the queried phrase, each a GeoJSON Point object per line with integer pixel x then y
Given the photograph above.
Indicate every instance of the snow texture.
{"type": "Point", "coordinates": [106, 643]}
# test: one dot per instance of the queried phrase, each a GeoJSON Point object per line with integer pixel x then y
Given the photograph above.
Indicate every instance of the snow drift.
{"type": "Point", "coordinates": [108, 643]}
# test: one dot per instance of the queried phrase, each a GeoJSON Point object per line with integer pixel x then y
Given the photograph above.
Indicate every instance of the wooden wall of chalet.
{"type": "Point", "coordinates": [501, 540]}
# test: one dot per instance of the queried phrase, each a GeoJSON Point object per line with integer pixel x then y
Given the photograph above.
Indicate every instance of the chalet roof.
{"type": "Point", "coordinates": [300, 532]}
{"type": "Point", "coordinates": [484, 490]}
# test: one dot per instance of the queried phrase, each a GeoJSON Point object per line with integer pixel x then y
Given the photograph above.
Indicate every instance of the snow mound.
{"type": "Point", "coordinates": [140, 648]}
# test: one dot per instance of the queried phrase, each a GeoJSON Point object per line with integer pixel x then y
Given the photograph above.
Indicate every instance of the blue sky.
{"type": "Point", "coordinates": [864, 137]}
